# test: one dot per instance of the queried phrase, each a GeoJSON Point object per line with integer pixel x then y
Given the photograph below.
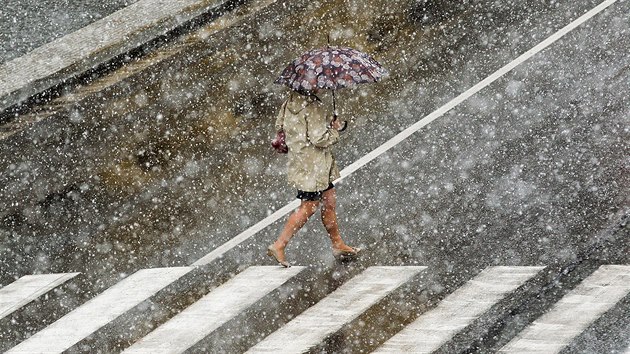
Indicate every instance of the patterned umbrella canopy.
{"type": "Point", "coordinates": [331, 68]}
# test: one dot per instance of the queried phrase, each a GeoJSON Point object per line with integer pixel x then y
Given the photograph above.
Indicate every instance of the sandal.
{"type": "Point", "coordinates": [273, 252]}
{"type": "Point", "coordinates": [345, 254]}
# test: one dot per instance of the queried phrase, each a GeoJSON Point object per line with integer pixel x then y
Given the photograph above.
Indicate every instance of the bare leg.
{"type": "Point", "coordinates": [329, 219]}
{"type": "Point", "coordinates": [295, 222]}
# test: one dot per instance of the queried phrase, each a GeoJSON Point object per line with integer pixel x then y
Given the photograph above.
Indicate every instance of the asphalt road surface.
{"type": "Point", "coordinates": [501, 225]}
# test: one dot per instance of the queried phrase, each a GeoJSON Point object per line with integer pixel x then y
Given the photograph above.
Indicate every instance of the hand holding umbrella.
{"type": "Point", "coordinates": [339, 125]}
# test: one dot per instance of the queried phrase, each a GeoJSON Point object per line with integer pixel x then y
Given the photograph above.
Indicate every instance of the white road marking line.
{"type": "Point", "coordinates": [473, 90]}
{"type": "Point", "coordinates": [97, 312]}
{"type": "Point", "coordinates": [221, 250]}
{"type": "Point", "coordinates": [458, 310]}
{"type": "Point", "coordinates": [574, 312]}
{"type": "Point", "coordinates": [29, 288]}
{"type": "Point", "coordinates": [213, 310]}
{"type": "Point", "coordinates": [340, 307]}
{"type": "Point", "coordinates": [218, 252]}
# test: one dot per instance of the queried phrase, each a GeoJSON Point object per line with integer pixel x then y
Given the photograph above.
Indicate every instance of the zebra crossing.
{"type": "Point", "coordinates": [29, 288]}
{"type": "Point", "coordinates": [554, 330]}
{"type": "Point", "coordinates": [340, 307]}
{"type": "Point", "coordinates": [213, 310]}
{"type": "Point", "coordinates": [99, 311]}
{"type": "Point", "coordinates": [458, 310]}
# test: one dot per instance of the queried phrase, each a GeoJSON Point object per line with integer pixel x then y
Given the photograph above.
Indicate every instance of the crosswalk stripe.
{"type": "Point", "coordinates": [458, 310]}
{"type": "Point", "coordinates": [213, 310]}
{"type": "Point", "coordinates": [29, 288]}
{"type": "Point", "coordinates": [341, 306]}
{"type": "Point", "coordinates": [574, 312]}
{"type": "Point", "coordinates": [97, 312]}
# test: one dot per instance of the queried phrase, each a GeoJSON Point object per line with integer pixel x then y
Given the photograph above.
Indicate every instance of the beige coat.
{"type": "Point", "coordinates": [311, 165]}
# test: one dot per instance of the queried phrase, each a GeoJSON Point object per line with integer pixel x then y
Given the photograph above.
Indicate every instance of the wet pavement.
{"type": "Point", "coordinates": [158, 170]}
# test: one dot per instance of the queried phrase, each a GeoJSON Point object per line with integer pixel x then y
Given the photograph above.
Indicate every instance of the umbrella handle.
{"type": "Point", "coordinates": [334, 105]}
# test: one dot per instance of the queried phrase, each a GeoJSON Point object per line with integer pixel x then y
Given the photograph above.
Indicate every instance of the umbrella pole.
{"type": "Point", "coordinates": [334, 105]}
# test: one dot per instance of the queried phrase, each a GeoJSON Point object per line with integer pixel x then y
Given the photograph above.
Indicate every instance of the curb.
{"type": "Point", "coordinates": [99, 47]}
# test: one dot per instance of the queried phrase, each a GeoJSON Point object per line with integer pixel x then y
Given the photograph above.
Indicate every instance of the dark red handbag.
{"type": "Point", "coordinates": [279, 143]}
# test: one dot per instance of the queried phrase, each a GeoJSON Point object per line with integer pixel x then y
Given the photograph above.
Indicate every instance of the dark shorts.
{"type": "Point", "coordinates": [313, 196]}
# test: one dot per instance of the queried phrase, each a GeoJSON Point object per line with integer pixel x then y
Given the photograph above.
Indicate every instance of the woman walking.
{"type": "Point", "coordinates": [310, 134]}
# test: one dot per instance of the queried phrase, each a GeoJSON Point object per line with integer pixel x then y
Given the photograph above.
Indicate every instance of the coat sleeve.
{"type": "Point", "coordinates": [317, 130]}
{"type": "Point", "coordinates": [281, 114]}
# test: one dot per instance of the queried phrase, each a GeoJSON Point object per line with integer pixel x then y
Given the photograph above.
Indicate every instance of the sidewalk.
{"type": "Point", "coordinates": [26, 25]}
{"type": "Point", "coordinates": [63, 60]}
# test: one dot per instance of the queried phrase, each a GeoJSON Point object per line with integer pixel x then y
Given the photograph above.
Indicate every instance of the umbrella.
{"type": "Point", "coordinates": [331, 68]}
